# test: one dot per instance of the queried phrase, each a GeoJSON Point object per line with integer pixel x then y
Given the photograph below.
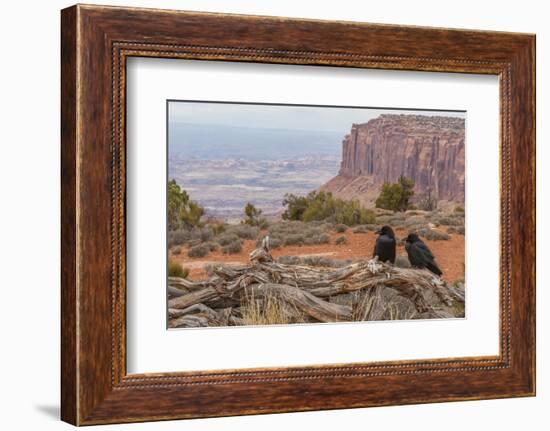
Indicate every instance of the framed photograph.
{"type": "Point", "coordinates": [263, 214]}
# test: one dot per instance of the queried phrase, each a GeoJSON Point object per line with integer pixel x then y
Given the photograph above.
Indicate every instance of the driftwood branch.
{"type": "Point", "coordinates": [366, 290]}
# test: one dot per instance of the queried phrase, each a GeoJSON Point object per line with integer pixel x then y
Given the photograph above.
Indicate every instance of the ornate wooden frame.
{"type": "Point", "coordinates": [95, 42]}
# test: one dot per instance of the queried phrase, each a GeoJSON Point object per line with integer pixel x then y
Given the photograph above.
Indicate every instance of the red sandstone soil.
{"type": "Point", "coordinates": [449, 254]}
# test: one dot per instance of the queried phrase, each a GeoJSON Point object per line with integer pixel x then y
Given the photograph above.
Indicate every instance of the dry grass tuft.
{"type": "Point", "coordinates": [267, 311]}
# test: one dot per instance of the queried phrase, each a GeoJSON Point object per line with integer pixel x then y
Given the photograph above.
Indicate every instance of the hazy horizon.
{"type": "Point", "coordinates": [214, 130]}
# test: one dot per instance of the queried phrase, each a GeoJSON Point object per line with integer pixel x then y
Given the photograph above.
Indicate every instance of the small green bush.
{"type": "Point", "coordinates": [459, 209]}
{"type": "Point", "coordinates": [182, 211]}
{"type": "Point", "coordinates": [253, 216]}
{"type": "Point", "coordinates": [294, 239]}
{"type": "Point", "coordinates": [176, 270]}
{"type": "Point", "coordinates": [218, 227]}
{"type": "Point", "coordinates": [178, 237]}
{"type": "Point", "coordinates": [244, 231]}
{"type": "Point", "coordinates": [205, 234]}
{"type": "Point", "coordinates": [227, 238]}
{"type": "Point", "coordinates": [317, 239]}
{"type": "Point", "coordinates": [200, 250]}
{"type": "Point", "coordinates": [396, 196]}
{"type": "Point", "coordinates": [340, 228]}
{"type": "Point", "coordinates": [340, 240]}
{"type": "Point", "coordinates": [233, 248]}
{"type": "Point", "coordinates": [323, 206]}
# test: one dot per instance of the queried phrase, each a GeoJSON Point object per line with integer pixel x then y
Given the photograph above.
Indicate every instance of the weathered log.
{"type": "Point", "coordinates": [198, 315]}
{"type": "Point", "coordinates": [193, 298]}
{"type": "Point", "coordinates": [188, 285]}
{"type": "Point", "coordinates": [196, 308]}
{"type": "Point", "coordinates": [174, 292]}
{"type": "Point", "coordinates": [318, 294]}
{"type": "Point", "coordinates": [304, 301]}
{"type": "Point", "coordinates": [190, 321]}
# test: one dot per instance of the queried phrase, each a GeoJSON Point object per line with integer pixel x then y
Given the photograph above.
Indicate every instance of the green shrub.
{"type": "Point", "coordinates": [182, 211]}
{"type": "Point", "coordinates": [317, 239]}
{"type": "Point", "coordinates": [232, 248]}
{"type": "Point", "coordinates": [227, 238]}
{"type": "Point", "coordinates": [323, 206]}
{"type": "Point", "coordinates": [396, 196]}
{"type": "Point", "coordinates": [253, 215]}
{"type": "Point", "coordinates": [190, 236]}
{"type": "Point", "coordinates": [297, 233]}
{"type": "Point", "coordinates": [218, 227]}
{"type": "Point", "coordinates": [294, 239]}
{"type": "Point", "coordinates": [205, 234]}
{"type": "Point", "coordinates": [459, 209]}
{"type": "Point", "coordinates": [200, 250]}
{"type": "Point", "coordinates": [340, 240]}
{"type": "Point", "coordinates": [244, 231]}
{"type": "Point", "coordinates": [178, 237]}
{"type": "Point", "coordinates": [340, 228]}
{"type": "Point", "coordinates": [176, 270]}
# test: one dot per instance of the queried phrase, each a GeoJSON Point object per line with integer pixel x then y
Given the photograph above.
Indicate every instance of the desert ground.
{"type": "Point", "coordinates": [227, 274]}
{"type": "Point", "coordinates": [358, 246]}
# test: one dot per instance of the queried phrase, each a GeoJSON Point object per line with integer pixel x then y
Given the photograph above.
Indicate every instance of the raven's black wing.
{"type": "Point", "coordinates": [425, 255]}
{"type": "Point", "coordinates": [424, 249]}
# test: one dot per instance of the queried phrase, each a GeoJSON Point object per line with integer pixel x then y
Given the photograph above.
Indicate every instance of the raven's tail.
{"type": "Point", "coordinates": [434, 268]}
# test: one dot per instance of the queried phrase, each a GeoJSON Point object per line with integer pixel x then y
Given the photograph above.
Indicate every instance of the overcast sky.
{"type": "Point", "coordinates": [281, 117]}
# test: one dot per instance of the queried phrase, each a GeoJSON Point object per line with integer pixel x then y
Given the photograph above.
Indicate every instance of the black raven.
{"type": "Point", "coordinates": [420, 255]}
{"type": "Point", "coordinates": [385, 245]}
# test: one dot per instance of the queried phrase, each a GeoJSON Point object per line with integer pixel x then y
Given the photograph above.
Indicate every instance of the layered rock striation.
{"type": "Point", "coordinates": [428, 149]}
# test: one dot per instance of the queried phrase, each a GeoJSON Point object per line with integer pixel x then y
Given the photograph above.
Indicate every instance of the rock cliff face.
{"type": "Point", "coordinates": [428, 149]}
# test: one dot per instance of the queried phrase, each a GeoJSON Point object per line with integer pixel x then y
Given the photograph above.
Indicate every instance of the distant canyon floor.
{"type": "Point", "coordinates": [358, 246]}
